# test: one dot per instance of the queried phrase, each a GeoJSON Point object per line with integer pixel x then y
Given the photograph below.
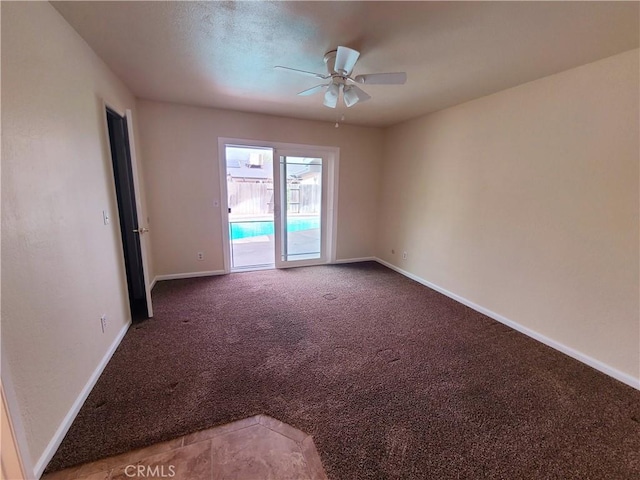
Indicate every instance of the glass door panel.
{"type": "Point", "coordinates": [301, 225]}
{"type": "Point", "coordinates": [250, 200]}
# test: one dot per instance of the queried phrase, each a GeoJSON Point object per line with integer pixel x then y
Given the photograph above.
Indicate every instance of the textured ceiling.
{"type": "Point", "coordinates": [222, 54]}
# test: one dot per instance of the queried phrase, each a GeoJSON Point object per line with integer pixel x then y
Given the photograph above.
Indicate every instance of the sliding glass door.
{"type": "Point", "coordinates": [278, 204]}
{"type": "Point", "coordinates": [300, 211]}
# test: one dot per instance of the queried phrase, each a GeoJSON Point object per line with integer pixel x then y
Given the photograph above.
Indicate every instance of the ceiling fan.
{"type": "Point", "coordinates": [340, 63]}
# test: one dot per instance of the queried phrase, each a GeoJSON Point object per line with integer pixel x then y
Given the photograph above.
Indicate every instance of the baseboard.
{"type": "Point", "coordinates": [592, 362]}
{"type": "Point", "coordinates": [356, 260]}
{"type": "Point", "coordinates": [153, 283]}
{"type": "Point", "coordinates": [48, 453]}
{"type": "Point", "coordinates": [177, 276]}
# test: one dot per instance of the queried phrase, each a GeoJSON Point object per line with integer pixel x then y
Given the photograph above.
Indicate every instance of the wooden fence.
{"type": "Point", "coordinates": [257, 198]}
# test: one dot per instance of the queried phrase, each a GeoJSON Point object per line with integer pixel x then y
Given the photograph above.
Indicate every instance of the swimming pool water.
{"type": "Point", "coordinates": [256, 228]}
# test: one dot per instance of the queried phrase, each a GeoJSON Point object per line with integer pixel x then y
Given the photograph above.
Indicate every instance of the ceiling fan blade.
{"type": "Point", "coordinates": [312, 90]}
{"type": "Point", "coordinates": [353, 95]}
{"type": "Point", "coordinates": [346, 59]}
{"type": "Point", "coordinates": [304, 72]}
{"type": "Point", "coordinates": [331, 97]}
{"type": "Point", "coordinates": [397, 78]}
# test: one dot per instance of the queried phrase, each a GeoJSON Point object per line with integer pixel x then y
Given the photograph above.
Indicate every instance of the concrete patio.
{"type": "Point", "coordinates": [259, 251]}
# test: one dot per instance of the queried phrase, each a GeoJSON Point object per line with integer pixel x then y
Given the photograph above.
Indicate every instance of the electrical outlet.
{"type": "Point", "coordinates": [200, 255]}
{"type": "Point", "coordinates": [404, 255]}
{"type": "Point", "coordinates": [103, 322]}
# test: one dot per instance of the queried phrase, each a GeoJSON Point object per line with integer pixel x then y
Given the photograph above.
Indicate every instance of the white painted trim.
{"type": "Point", "coordinates": [142, 216]}
{"type": "Point", "coordinates": [592, 362]}
{"type": "Point", "coordinates": [15, 414]}
{"type": "Point", "coordinates": [153, 283]}
{"type": "Point", "coordinates": [177, 276]}
{"type": "Point", "coordinates": [252, 142]}
{"type": "Point", "coordinates": [224, 203]}
{"type": "Point", "coordinates": [356, 260]}
{"type": "Point", "coordinates": [253, 268]}
{"type": "Point", "coordinates": [54, 443]}
{"type": "Point", "coordinates": [332, 191]}
{"type": "Point", "coordinates": [11, 464]}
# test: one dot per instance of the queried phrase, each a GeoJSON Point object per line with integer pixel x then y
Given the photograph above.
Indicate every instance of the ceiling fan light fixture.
{"type": "Point", "coordinates": [350, 96]}
{"type": "Point", "coordinates": [353, 95]}
{"type": "Point", "coordinates": [331, 96]}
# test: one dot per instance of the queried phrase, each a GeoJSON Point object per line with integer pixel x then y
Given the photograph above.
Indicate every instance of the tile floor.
{"type": "Point", "coordinates": [256, 448]}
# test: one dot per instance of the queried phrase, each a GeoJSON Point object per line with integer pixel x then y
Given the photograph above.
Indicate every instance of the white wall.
{"type": "Point", "coordinates": [180, 145]}
{"type": "Point", "coordinates": [62, 268]}
{"type": "Point", "coordinates": [525, 202]}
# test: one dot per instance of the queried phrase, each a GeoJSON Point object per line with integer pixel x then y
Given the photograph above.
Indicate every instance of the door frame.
{"type": "Point", "coordinates": [17, 435]}
{"type": "Point", "coordinates": [11, 463]}
{"type": "Point", "coordinates": [141, 218]}
{"type": "Point", "coordinates": [332, 155]}
{"type": "Point", "coordinates": [281, 207]}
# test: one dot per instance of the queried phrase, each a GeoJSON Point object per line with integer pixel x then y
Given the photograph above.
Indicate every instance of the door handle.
{"type": "Point", "coordinates": [141, 230]}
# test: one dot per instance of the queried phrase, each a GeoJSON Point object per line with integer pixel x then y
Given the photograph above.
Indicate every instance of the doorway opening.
{"type": "Point", "coordinates": [280, 203]}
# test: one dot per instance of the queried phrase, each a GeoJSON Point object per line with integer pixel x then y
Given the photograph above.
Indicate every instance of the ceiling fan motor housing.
{"type": "Point", "coordinates": [330, 61]}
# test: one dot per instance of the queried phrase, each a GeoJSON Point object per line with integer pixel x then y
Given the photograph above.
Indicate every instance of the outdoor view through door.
{"type": "Point", "coordinates": [301, 207]}
{"type": "Point", "coordinates": [274, 220]}
{"type": "Point", "coordinates": [250, 198]}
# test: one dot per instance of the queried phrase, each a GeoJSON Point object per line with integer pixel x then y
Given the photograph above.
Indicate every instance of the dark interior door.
{"type": "Point", "coordinates": [125, 193]}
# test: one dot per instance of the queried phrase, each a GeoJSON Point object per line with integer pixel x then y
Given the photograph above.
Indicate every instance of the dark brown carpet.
{"type": "Point", "coordinates": [392, 379]}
